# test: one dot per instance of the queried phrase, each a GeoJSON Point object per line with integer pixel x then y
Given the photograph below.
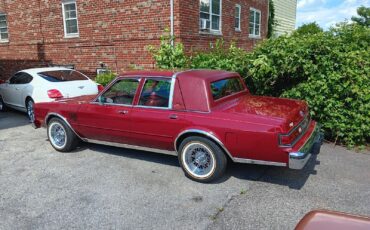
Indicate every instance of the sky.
{"type": "Point", "coordinates": [327, 12]}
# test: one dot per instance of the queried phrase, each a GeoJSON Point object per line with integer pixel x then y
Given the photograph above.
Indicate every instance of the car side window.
{"type": "Point", "coordinates": [21, 78]}
{"type": "Point", "coordinates": [156, 93]}
{"type": "Point", "coordinates": [121, 93]}
{"type": "Point", "coordinates": [15, 79]}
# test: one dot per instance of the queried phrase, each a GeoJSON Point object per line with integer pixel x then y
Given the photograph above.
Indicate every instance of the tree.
{"type": "Point", "coordinates": [363, 18]}
{"type": "Point", "coordinates": [309, 28]}
{"type": "Point", "coordinates": [272, 21]}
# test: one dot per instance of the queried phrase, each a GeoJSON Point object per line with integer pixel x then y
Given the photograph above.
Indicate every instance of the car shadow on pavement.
{"type": "Point", "coordinates": [13, 119]}
{"type": "Point", "coordinates": [131, 153]}
{"type": "Point", "coordinates": [294, 179]}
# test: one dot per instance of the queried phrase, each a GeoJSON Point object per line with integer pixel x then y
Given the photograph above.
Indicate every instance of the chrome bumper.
{"type": "Point", "coordinates": [297, 160]}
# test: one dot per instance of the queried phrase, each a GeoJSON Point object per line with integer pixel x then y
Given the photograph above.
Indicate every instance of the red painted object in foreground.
{"type": "Point", "coordinates": [205, 117]}
{"type": "Point", "coordinates": [332, 220]}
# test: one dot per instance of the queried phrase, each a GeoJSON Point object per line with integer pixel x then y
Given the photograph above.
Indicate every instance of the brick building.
{"type": "Point", "coordinates": [116, 32]}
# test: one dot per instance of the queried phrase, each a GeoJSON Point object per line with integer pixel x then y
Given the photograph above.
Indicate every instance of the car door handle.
{"type": "Point", "coordinates": [123, 112]}
{"type": "Point", "coordinates": [173, 116]}
{"type": "Point", "coordinates": [16, 88]}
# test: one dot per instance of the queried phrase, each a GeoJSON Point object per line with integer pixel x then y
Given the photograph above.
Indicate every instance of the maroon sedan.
{"type": "Point", "coordinates": [204, 117]}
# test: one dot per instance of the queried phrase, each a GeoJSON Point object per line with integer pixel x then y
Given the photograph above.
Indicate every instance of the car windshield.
{"type": "Point", "coordinates": [226, 87]}
{"type": "Point", "coordinates": [62, 75]}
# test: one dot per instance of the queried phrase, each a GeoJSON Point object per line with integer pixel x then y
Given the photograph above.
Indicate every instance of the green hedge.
{"type": "Point", "coordinates": [105, 78]}
{"type": "Point", "coordinates": [330, 70]}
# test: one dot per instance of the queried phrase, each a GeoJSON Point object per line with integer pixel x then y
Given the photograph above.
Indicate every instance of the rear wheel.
{"type": "Point", "coordinates": [201, 159]}
{"type": "Point", "coordinates": [30, 110]}
{"type": "Point", "coordinates": [2, 105]}
{"type": "Point", "coordinates": [61, 137]}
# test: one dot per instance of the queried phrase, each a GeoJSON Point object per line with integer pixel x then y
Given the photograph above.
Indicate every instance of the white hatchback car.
{"type": "Point", "coordinates": [43, 85]}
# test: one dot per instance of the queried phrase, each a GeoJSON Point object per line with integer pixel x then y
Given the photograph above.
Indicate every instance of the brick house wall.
{"type": "Point", "coordinates": [115, 32]}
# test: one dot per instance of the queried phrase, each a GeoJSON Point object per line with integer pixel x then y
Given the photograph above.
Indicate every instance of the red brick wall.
{"type": "Point", "coordinates": [194, 40]}
{"type": "Point", "coordinates": [115, 32]}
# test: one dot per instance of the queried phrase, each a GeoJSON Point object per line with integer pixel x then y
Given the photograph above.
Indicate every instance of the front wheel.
{"type": "Point", "coordinates": [61, 137]}
{"type": "Point", "coordinates": [201, 159]}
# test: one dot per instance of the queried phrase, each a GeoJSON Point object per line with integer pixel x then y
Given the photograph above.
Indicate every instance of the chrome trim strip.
{"type": "Point", "coordinates": [208, 134]}
{"type": "Point", "coordinates": [65, 120]}
{"type": "Point", "coordinates": [127, 146]}
{"type": "Point", "coordinates": [297, 160]}
{"type": "Point", "coordinates": [258, 162]}
{"type": "Point", "coordinates": [172, 91]}
{"type": "Point", "coordinates": [169, 107]}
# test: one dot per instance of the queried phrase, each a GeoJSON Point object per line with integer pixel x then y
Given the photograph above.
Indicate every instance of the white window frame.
{"type": "Point", "coordinates": [2, 40]}
{"type": "Point", "coordinates": [254, 23]}
{"type": "Point", "coordinates": [213, 31]}
{"type": "Point", "coordinates": [238, 6]}
{"type": "Point", "coordinates": [70, 35]}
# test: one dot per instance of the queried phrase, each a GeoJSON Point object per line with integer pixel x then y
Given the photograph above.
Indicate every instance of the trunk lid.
{"type": "Point", "coordinates": [286, 109]}
{"type": "Point", "coordinates": [77, 100]}
{"type": "Point", "coordinates": [76, 88]}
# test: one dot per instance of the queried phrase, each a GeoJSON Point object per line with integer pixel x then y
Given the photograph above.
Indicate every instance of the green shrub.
{"type": "Point", "coordinates": [309, 28]}
{"type": "Point", "coordinates": [169, 56]}
{"type": "Point", "coordinates": [330, 70]}
{"type": "Point", "coordinates": [105, 78]}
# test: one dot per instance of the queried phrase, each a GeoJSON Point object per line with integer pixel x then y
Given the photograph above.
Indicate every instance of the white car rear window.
{"type": "Point", "coordinates": [62, 76]}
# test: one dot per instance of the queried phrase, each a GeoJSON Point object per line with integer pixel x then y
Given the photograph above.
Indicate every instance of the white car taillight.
{"type": "Point", "coordinates": [54, 94]}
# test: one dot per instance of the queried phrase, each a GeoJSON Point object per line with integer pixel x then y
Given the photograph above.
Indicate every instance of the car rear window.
{"type": "Point", "coordinates": [62, 76]}
{"type": "Point", "coordinates": [226, 87]}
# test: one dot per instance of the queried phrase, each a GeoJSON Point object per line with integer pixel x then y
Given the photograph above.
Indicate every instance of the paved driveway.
{"type": "Point", "coordinates": [99, 187]}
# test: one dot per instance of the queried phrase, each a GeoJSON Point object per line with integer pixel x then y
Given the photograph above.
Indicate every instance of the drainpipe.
{"type": "Point", "coordinates": [172, 22]}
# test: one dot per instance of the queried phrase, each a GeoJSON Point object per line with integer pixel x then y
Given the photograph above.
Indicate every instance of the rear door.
{"type": "Point", "coordinates": [154, 123]}
{"type": "Point", "coordinates": [109, 118]}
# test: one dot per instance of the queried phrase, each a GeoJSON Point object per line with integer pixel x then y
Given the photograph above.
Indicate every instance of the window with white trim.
{"type": "Point", "coordinates": [254, 23]}
{"type": "Point", "coordinates": [237, 17]}
{"type": "Point", "coordinates": [4, 35]}
{"type": "Point", "coordinates": [70, 18]}
{"type": "Point", "coordinates": [210, 15]}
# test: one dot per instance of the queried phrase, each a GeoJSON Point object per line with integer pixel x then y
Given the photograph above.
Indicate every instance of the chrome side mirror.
{"type": "Point", "coordinates": [101, 100]}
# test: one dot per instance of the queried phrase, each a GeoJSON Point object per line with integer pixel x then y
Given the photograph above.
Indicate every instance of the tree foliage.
{"type": "Point", "coordinates": [272, 20]}
{"type": "Point", "coordinates": [168, 56]}
{"type": "Point", "coordinates": [363, 17]}
{"type": "Point", "coordinates": [309, 28]}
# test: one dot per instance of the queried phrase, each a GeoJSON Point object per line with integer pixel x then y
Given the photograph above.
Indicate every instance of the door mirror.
{"type": "Point", "coordinates": [101, 100]}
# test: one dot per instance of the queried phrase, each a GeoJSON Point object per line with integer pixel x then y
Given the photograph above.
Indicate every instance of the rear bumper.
{"type": "Point", "coordinates": [298, 159]}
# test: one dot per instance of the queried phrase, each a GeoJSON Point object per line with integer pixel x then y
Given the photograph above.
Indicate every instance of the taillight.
{"type": "Point", "coordinates": [100, 88]}
{"type": "Point", "coordinates": [2, 81]}
{"type": "Point", "coordinates": [54, 94]}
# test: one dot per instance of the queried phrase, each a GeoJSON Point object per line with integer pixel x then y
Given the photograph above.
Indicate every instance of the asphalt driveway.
{"type": "Point", "coordinates": [100, 187]}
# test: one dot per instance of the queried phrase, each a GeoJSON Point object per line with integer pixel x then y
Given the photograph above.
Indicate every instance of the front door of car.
{"type": "Point", "coordinates": [155, 124]}
{"type": "Point", "coordinates": [13, 90]}
{"type": "Point", "coordinates": [108, 119]}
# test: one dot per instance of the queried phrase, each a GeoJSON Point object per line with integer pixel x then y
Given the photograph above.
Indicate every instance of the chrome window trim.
{"type": "Point", "coordinates": [95, 101]}
{"type": "Point", "coordinates": [110, 85]}
{"type": "Point", "coordinates": [170, 98]}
